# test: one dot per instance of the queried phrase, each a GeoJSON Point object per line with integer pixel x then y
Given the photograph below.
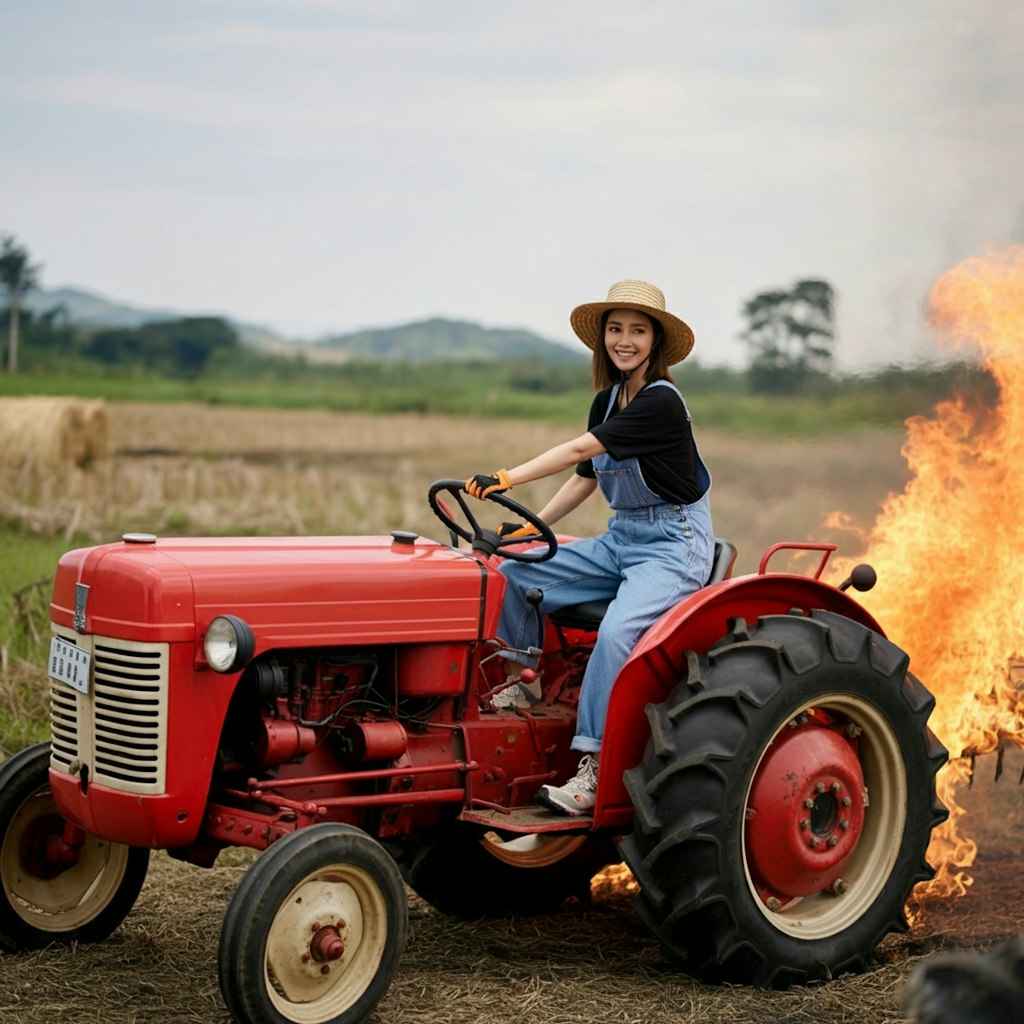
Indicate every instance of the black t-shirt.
{"type": "Point", "coordinates": [655, 429]}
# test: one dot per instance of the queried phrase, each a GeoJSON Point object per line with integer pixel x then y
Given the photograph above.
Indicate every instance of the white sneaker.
{"type": "Point", "coordinates": [578, 795]}
{"type": "Point", "coordinates": [518, 695]}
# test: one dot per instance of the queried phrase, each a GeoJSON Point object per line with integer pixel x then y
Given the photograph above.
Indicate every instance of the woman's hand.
{"type": "Point", "coordinates": [482, 484]}
{"type": "Point", "coordinates": [508, 530]}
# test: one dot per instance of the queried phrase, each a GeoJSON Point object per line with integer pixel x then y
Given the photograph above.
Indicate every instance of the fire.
{"type": "Point", "coordinates": [950, 550]}
{"type": "Point", "coordinates": [615, 878]}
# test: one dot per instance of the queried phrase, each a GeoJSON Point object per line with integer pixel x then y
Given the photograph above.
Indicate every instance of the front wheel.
{"type": "Point", "coordinates": [314, 930]}
{"type": "Point", "coordinates": [60, 884]}
{"type": "Point", "coordinates": [785, 802]}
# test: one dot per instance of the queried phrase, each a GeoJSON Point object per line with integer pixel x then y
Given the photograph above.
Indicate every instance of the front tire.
{"type": "Point", "coordinates": [314, 931]}
{"type": "Point", "coordinates": [55, 890]}
{"type": "Point", "coordinates": [785, 802]}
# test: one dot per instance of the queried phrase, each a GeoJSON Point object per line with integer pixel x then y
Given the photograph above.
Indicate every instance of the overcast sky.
{"type": "Point", "coordinates": [321, 166]}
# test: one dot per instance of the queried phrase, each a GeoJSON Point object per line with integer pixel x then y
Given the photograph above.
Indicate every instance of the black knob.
{"type": "Point", "coordinates": [862, 577]}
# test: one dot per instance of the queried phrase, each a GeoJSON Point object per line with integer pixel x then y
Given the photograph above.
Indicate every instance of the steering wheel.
{"type": "Point", "coordinates": [490, 542]}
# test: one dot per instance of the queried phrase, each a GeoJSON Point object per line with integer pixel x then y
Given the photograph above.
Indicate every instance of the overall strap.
{"type": "Point", "coordinates": [612, 399]}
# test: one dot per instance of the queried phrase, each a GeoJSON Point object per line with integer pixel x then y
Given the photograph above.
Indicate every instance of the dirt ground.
{"type": "Point", "coordinates": [588, 963]}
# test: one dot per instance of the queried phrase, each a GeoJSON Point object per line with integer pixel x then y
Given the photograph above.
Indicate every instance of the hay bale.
{"type": "Point", "coordinates": [53, 431]}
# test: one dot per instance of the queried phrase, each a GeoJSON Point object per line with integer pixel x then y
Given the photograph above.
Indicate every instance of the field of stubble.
{"type": "Point", "coordinates": [205, 469]}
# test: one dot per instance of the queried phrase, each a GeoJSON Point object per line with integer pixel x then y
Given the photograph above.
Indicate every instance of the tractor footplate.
{"type": "Point", "coordinates": [531, 818]}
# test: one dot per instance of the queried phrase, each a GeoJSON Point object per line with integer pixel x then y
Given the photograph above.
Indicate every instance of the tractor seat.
{"type": "Point", "coordinates": [590, 614]}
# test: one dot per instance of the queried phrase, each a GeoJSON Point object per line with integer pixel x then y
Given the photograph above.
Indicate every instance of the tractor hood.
{"type": "Point", "coordinates": [290, 590]}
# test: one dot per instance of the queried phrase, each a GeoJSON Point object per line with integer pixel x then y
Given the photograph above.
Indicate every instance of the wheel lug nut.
{"type": "Point", "coordinates": [805, 822]}
{"type": "Point", "coordinates": [814, 842]}
{"type": "Point", "coordinates": [773, 903]}
{"type": "Point", "coordinates": [808, 803]}
{"type": "Point", "coordinates": [836, 787]}
{"type": "Point", "coordinates": [819, 787]}
{"type": "Point", "coordinates": [839, 886]}
{"type": "Point", "coordinates": [847, 801]}
{"type": "Point", "coordinates": [832, 840]}
{"type": "Point", "coordinates": [844, 824]}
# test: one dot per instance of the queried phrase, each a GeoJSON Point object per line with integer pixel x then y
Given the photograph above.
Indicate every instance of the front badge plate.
{"type": "Point", "coordinates": [69, 664]}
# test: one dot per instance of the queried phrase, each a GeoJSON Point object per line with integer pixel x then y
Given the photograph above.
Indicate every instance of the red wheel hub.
{"type": "Point", "coordinates": [327, 945]}
{"type": "Point", "coordinates": [49, 846]}
{"type": "Point", "coordinates": [806, 811]}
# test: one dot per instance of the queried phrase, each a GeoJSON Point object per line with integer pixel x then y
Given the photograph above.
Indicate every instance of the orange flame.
{"type": "Point", "coordinates": [950, 549]}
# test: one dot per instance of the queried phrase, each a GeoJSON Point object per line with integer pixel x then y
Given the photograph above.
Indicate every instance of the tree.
{"type": "Point", "coordinates": [19, 277]}
{"type": "Point", "coordinates": [177, 348]}
{"type": "Point", "coordinates": [790, 335]}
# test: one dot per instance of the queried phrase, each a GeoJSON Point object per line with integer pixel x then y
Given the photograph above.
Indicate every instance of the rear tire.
{"type": "Point", "coordinates": [53, 892]}
{"type": "Point", "coordinates": [785, 802]}
{"type": "Point", "coordinates": [471, 873]}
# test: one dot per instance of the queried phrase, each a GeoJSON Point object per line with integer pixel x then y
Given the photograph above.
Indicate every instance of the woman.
{"type": "Point", "coordinates": [639, 449]}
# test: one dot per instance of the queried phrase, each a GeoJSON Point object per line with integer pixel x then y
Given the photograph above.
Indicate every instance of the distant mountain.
{"type": "Point", "coordinates": [87, 309]}
{"type": "Point", "coordinates": [446, 340]}
{"type": "Point", "coordinates": [434, 340]}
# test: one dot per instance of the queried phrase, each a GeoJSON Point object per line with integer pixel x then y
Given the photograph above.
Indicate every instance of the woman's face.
{"type": "Point", "coordinates": [628, 339]}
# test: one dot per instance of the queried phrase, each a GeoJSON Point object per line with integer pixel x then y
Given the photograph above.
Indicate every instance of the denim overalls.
{"type": "Point", "coordinates": [653, 555]}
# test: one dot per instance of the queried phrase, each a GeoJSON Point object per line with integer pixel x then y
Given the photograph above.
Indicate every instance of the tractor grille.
{"type": "Point", "coordinates": [118, 729]}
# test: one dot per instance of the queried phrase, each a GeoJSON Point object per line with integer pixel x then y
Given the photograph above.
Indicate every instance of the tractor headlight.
{"type": "Point", "coordinates": [229, 644]}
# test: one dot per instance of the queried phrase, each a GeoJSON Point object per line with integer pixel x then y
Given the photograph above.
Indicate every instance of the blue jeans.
{"type": "Point", "coordinates": [648, 561]}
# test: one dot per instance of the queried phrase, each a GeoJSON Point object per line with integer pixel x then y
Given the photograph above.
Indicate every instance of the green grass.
{"type": "Point", "coordinates": [560, 395]}
{"type": "Point", "coordinates": [26, 573]}
{"type": "Point", "coordinates": [758, 416]}
{"type": "Point", "coordinates": [458, 391]}
{"type": "Point", "coordinates": [27, 565]}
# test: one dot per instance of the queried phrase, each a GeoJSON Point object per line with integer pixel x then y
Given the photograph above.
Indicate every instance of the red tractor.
{"type": "Point", "coordinates": [767, 772]}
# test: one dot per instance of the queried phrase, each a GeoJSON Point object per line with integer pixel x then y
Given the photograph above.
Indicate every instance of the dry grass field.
{"type": "Point", "coordinates": [195, 469]}
{"type": "Point", "coordinates": [198, 469]}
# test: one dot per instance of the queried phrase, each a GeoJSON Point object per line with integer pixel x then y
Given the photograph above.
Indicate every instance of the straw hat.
{"type": "Point", "coordinates": [639, 295]}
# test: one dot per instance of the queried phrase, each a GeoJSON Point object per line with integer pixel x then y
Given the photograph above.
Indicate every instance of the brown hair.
{"type": "Point", "coordinates": [603, 371]}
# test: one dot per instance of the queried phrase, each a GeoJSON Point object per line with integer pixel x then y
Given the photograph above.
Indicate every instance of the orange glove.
{"type": "Point", "coordinates": [508, 530]}
{"type": "Point", "coordinates": [482, 484]}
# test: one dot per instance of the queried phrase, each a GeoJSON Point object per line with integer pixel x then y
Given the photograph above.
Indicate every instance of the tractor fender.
{"type": "Point", "coordinates": [659, 661]}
